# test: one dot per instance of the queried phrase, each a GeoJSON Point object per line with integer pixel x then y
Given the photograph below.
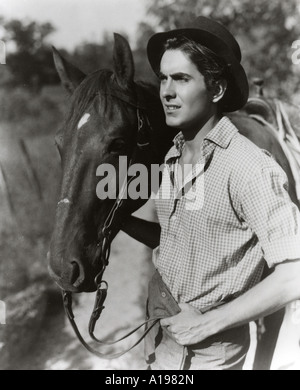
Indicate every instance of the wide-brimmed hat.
{"type": "Point", "coordinates": [217, 38]}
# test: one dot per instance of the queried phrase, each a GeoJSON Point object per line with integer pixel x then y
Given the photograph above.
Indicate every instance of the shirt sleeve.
{"type": "Point", "coordinates": [270, 213]}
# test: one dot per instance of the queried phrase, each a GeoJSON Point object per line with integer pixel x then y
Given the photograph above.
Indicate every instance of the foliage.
{"type": "Point", "coordinates": [30, 63]}
{"type": "Point", "coordinates": [18, 106]}
{"type": "Point", "coordinates": [27, 220]}
{"type": "Point", "coordinates": [91, 56]}
{"type": "Point", "coordinates": [28, 37]}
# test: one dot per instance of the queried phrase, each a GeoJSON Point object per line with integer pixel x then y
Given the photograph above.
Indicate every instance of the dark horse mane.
{"type": "Point", "coordinates": [84, 94]}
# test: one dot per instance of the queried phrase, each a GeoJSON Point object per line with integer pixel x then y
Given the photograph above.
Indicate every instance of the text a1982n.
{"type": "Point", "coordinates": [168, 379]}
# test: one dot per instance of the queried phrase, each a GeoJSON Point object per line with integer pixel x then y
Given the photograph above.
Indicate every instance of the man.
{"type": "Point", "coordinates": [212, 248]}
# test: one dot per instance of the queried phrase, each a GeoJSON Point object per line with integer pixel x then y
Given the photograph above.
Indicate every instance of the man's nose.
{"type": "Point", "coordinates": [168, 90]}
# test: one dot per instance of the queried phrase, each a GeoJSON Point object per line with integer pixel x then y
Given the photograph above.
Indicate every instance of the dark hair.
{"type": "Point", "coordinates": [213, 68]}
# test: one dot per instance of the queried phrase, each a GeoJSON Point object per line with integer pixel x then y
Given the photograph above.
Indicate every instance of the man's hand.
{"type": "Point", "coordinates": [188, 327]}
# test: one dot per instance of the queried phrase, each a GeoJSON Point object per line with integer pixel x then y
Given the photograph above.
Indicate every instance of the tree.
{"type": "Point", "coordinates": [30, 61]}
{"type": "Point", "coordinates": [265, 30]}
{"type": "Point", "coordinates": [92, 56]}
{"type": "Point", "coordinates": [28, 37]}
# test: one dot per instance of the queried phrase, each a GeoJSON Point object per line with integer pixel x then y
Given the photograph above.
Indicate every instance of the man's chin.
{"type": "Point", "coordinates": [173, 123]}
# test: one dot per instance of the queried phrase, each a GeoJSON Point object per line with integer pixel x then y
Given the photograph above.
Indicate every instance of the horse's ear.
{"type": "Point", "coordinates": [70, 76]}
{"type": "Point", "coordinates": [123, 61]}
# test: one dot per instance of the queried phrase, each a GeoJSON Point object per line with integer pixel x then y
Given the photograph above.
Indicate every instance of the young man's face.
{"type": "Point", "coordinates": [187, 102]}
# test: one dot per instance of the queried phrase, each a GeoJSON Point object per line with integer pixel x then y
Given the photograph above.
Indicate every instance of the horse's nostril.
{"type": "Point", "coordinates": [77, 274]}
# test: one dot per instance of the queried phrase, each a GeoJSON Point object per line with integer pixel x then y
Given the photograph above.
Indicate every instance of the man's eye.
{"type": "Point", "coordinates": [183, 79]}
{"type": "Point", "coordinates": [162, 77]}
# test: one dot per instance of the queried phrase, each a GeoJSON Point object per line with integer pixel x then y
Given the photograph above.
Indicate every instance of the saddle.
{"type": "Point", "coordinates": [260, 106]}
{"type": "Point", "coordinates": [275, 115]}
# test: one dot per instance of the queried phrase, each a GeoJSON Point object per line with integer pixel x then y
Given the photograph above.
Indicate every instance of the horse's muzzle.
{"type": "Point", "coordinates": [73, 277]}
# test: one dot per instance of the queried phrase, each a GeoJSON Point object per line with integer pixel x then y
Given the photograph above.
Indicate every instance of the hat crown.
{"type": "Point", "coordinates": [217, 29]}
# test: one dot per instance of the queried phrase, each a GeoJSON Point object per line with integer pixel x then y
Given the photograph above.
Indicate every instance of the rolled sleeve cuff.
{"type": "Point", "coordinates": [286, 248]}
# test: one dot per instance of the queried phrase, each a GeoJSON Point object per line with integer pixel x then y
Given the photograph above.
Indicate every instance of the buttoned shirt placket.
{"type": "Point", "coordinates": [179, 194]}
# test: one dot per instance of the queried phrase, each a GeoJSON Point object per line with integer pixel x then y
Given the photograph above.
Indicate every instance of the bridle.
{"type": "Point", "coordinates": [143, 144]}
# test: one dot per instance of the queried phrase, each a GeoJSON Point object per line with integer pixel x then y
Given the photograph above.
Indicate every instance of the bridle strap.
{"type": "Point", "coordinates": [67, 300]}
{"type": "Point", "coordinates": [126, 99]}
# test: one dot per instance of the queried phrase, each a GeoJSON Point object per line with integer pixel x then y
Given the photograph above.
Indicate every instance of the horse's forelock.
{"type": "Point", "coordinates": [94, 84]}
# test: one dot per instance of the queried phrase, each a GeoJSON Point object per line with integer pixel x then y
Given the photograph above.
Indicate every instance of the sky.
{"type": "Point", "coordinates": [79, 20]}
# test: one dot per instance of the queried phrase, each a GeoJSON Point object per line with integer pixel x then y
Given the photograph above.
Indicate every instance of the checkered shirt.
{"type": "Point", "coordinates": [232, 214]}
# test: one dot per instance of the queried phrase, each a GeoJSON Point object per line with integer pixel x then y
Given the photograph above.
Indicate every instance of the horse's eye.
{"type": "Point", "coordinates": [117, 146]}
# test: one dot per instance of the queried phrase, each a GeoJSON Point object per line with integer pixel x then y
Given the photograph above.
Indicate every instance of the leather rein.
{"type": "Point", "coordinates": [143, 143]}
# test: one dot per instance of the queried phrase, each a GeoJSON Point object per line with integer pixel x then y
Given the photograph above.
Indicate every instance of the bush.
{"type": "Point", "coordinates": [33, 112]}
{"type": "Point", "coordinates": [27, 219]}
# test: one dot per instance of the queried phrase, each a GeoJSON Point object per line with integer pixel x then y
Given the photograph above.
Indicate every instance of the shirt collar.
{"type": "Point", "coordinates": [221, 135]}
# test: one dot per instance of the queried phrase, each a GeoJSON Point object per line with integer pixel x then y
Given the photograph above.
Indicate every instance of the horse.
{"type": "Point", "coordinates": [112, 115]}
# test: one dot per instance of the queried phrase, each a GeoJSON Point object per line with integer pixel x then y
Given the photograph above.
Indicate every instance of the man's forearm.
{"type": "Point", "coordinates": [270, 295]}
{"type": "Point", "coordinates": [276, 291]}
{"type": "Point", "coordinates": [143, 231]}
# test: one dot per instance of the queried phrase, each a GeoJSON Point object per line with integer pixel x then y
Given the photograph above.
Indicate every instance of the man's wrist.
{"type": "Point", "coordinates": [216, 321]}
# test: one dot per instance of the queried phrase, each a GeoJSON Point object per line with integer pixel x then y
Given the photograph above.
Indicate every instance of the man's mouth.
{"type": "Point", "coordinates": [172, 107]}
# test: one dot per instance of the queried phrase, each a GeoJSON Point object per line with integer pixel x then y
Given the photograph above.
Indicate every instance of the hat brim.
{"type": "Point", "coordinates": [237, 92]}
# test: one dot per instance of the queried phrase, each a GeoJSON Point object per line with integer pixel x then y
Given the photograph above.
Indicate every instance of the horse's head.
{"type": "Point", "coordinates": [101, 126]}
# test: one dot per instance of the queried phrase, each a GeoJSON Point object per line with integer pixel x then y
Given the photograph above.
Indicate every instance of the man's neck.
{"type": "Point", "coordinates": [194, 137]}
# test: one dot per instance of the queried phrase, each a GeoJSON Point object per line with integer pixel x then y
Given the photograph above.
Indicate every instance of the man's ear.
{"type": "Point", "coordinates": [220, 90]}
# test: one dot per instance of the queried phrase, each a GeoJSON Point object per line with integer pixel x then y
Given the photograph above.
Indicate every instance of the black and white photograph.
{"type": "Point", "coordinates": [150, 187]}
